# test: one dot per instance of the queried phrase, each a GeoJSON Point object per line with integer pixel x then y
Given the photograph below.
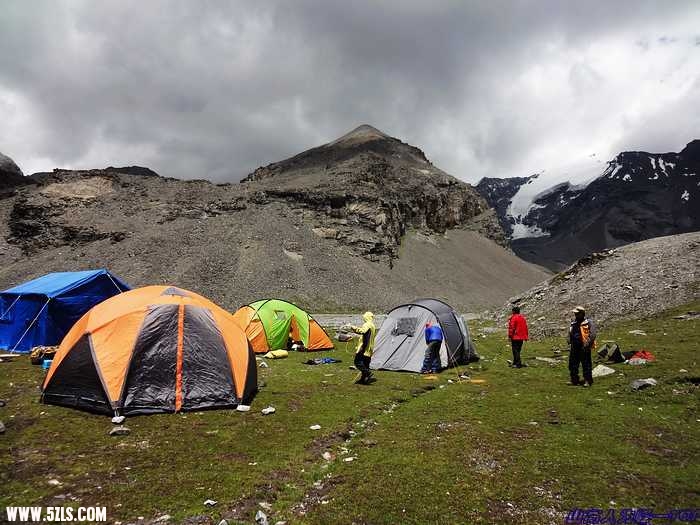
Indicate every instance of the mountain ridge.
{"type": "Point", "coordinates": [638, 195]}
{"type": "Point", "coordinates": [333, 233]}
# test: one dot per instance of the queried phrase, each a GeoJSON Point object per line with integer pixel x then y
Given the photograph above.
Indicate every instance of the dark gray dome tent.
{"type": "Point", "coordinates": [400, 342]}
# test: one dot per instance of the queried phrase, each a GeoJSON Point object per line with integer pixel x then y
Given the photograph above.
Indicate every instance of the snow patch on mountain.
{"type": "Point", "coordinates": [578, 175]}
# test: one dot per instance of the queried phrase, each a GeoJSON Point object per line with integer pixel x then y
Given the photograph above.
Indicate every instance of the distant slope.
{"type": "Point", "coordinates": [366, 229]}
{"type": "Point", "coordinates": [633, 281]}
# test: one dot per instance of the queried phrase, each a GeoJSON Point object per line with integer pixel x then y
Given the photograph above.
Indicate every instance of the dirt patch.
{"type": "Point", "coordinates": [319, 494]}
{"type": "Point", "coordinates": [509, 512]}
{"type": "Point", "coordinates": [88, 188]}
{"type": "Point", "coordinates": [656, 442]}
{"type": "Point", "coordinates": [319, 445]}
{"type": "Point", "coordinates": [245, 507]}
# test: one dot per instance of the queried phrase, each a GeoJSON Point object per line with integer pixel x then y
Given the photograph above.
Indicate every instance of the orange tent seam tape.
{"type": "Point", "coordinates": [178, 373]}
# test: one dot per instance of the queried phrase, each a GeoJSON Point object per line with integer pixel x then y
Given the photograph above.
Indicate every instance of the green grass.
{"type": "Point", "coordinates": [425, 451]}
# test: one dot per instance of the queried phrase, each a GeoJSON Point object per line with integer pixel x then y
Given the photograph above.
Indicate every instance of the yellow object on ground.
{"type": "Point", "coordinates": [276, 354]}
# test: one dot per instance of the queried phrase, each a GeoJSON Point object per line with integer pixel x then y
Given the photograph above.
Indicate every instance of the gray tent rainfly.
{"type": "Point", "coordinates": [400, 343]}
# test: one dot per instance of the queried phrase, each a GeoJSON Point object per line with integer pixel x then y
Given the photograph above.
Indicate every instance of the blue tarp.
{"type": "Point", "coordinates": [47, 307]}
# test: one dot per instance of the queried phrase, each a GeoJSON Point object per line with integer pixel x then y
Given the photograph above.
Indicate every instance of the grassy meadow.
{"type": "Point", "coordinates": [507, 446]}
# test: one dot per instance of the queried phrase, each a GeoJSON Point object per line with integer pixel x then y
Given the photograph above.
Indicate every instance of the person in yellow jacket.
{"type": "Point", "coordinates": [365, 347]}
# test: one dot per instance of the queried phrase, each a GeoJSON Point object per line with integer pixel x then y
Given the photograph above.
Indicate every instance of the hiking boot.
{"type": "Point", "coordinates": [585, 385]}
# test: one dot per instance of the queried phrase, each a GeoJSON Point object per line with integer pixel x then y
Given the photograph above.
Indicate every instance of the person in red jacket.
{"type": "Point", "coordinates": [517, 333]}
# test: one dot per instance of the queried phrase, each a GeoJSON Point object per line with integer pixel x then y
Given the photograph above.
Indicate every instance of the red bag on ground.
{"type": "Point", "coordinates": [644, 354]}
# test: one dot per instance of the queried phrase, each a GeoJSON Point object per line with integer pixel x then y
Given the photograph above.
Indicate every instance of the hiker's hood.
{"type": "Point", "coordinates": [368, 316]}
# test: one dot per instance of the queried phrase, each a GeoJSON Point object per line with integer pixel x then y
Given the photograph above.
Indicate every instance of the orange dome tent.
{"type": "Point", "coordinates": [268, 324]}
{"type": "Point", "coordinates": [153, 349]}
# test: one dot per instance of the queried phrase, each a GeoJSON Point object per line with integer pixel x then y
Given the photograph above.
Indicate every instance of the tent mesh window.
{"type": "Point", "coordinates": [280, 315]}
{"type": "Point", "coordinates": [405, 326]}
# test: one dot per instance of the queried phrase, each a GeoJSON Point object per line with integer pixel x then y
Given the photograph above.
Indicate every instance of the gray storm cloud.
{"type": "Point", "coordinates": [215, 89]}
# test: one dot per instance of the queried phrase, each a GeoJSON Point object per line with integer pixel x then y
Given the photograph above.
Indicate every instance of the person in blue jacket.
{"type": "Point", "coordinates": [433, 338]}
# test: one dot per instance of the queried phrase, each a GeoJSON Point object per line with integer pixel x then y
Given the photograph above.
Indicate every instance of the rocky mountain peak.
{"type": "Point", "coordinates": [364, 144]}
{"type": "Point", "coordinates": [691, 152]}
{"type": "Point", "coordinates": [367, 189]}
{"type": "Point", "coordinates": [362, 133]}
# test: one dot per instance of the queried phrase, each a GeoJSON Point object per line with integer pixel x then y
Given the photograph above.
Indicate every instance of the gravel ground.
{"type": "Point", "coordinates": [637, 280]}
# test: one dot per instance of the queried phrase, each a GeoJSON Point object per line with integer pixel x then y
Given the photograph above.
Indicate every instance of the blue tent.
{"type": "Point", "coordinates": [41, 311]}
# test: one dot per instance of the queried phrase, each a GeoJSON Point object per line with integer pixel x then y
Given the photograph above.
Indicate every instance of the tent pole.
{"type": "Point", "coordinates": [30, 326]}
{"type": "Point", "coordinates": [3, 314]}
{"type": "Point", "coordinates": [115, 284]}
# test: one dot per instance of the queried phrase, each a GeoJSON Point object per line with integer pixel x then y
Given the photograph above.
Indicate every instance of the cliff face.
{"type": "Point", "coordinates": [366, 190]}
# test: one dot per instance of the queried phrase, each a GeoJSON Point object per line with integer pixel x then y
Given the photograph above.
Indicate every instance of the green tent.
{"type": "Point", "coordinates": [269, 322]}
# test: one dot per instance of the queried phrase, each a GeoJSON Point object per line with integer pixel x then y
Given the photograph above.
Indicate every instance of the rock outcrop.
{"type": "Point", "coordinates": [371, 189]}
{"type": "Point", "coordinates": [10, 176]}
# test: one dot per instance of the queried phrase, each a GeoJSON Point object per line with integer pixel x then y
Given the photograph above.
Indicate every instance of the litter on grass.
{"type": "Point", "coordinates": [639, 384]}
{"type": "Point", "coordinates": [602, 371]}
{"type": "Point", "coordinates": [261, 518]}
{"type": "Point", "coordinates": [548, 360]}
{"type": "Point", "coordinates": [322, 361]}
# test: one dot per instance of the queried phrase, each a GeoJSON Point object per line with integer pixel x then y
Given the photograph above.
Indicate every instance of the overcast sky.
{"type": "Point", "coordinates": [196, 89]}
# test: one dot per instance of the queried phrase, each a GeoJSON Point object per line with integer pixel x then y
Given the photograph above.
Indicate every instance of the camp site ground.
{"type": "Point", "coordinates": [506, 446]}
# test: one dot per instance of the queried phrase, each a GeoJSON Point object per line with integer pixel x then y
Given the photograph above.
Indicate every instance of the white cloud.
{"type": "Point", "coordinates": [216, 89]}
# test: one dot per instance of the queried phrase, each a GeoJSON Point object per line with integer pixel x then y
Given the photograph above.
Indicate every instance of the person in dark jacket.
{"type": "Point", "coordinates": [433, 338]}
{"type": "Point", "coordinates": [517, 333]}
{"type": "Point", "coordinates": [582, 335]}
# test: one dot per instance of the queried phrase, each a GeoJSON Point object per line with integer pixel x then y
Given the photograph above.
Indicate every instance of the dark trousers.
{"type": "Point", "coordinates": [581, 356]}
{"type": "Point", "coordinates": [431, 361]}
{"type": "Point", "coordinates": [516, 346]}
{"type": "Point", "coordinates": [362, 362]}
